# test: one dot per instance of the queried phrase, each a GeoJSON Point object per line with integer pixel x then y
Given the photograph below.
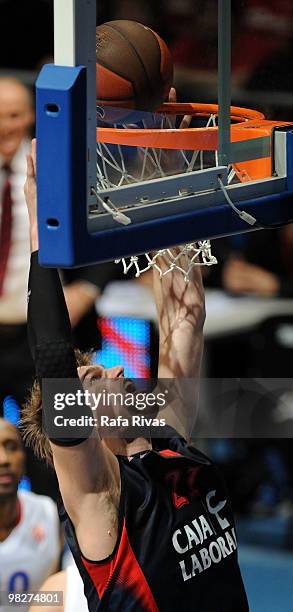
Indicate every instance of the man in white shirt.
{"type": "Point", "coordinates": [16, 119]}
{"type": "Point", "coordinates": [69, 583]}
{"type": "Point", "coordinates": [82, 285]}
{"type": "Point", "coordinates": [29, 524]}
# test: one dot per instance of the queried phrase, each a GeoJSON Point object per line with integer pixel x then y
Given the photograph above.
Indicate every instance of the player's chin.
{"type": "Point", "coordinates": [9, 148]}
{"type": "Point", "coordinates": [8, 490]}
{"type": "Point", "coordinates": [147, 411]}
{"type": "Point", "coordinates": [128, 385]}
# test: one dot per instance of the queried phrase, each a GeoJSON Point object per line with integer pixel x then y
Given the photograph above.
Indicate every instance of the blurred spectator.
{"type": "Point", "coordinates": [264, 29]}
{"type": "Point", "coordinates": [16, 119]}
{"type": "Point", "coordinates": [82, 285]}
{"type": "Point", "coordinates": [29, 525]}
{"type": "Point", "coordinates": [258, 474]}
{"type": "Point", "coordinates": [275, 75]}
{"type": "Point", "coordinates": [266, 268]}
{"type": "Point", "coordinates": [258, 29]}
{"type": "Point", "coordinates": [70, 584]}
{"type": "Point", "coordinates": [195, 35]}
{"type": "Point", "coordinates": [258, 263]}
{"type": "Point", "coordinates": [261, 266]}
{"type": "Point", "coordinates": [268, 16]}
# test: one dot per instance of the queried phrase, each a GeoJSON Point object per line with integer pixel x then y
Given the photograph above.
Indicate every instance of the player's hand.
{"type": "Point", "coordinates": [30, 192]}
{"type": "Point", "coordinates": [241, 277]}
{"type": "Point", "coordinates": [186, 121]}
{"type": "Point", "coordinates": [172, 161]}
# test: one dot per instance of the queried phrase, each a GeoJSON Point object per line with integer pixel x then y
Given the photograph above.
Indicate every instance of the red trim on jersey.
{"type": "Point", "coordinates": [179, 500]}
{"type": "Point", "coordinates": [100, 573]}
{"type": "Point", "coordinates": [170, 453]}
{"type": "Point", "coordinates": [128, 574]}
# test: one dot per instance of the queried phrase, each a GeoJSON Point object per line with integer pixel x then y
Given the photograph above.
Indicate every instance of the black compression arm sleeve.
{"type": "Point", "coordinates": [49, 333]}
{"type": "Point", "coordinates": [49, 329]}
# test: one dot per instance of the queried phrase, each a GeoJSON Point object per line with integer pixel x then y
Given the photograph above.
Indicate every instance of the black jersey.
{"type": "Point", "coordinates": [176, 547]}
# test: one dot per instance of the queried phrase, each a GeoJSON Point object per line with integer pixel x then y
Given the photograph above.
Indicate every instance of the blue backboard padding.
{"type": "Point", "coordinates": [61, 160]}
{"type": "Point", "coordinates": [57, 79]}
{"type": "Point", "coordinates": [62, 189]}
{"type": "Point", "coordinates": [214, 222]}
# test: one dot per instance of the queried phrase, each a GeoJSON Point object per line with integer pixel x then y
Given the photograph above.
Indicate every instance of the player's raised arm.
{"type": "Point", "coordinates": [181, 310]}
{"type": "Point", "coordinates": [181, 316]}
{"type": "Point", "coordinates": [87, 471]}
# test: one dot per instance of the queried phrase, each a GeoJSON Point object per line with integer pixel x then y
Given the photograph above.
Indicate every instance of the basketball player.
{"type": "Point", "coordinates": [147, 520]}
{"type": "Point", "coordinates": [70, 584]}
{"type": "Point", "coordinates": [29, 525]}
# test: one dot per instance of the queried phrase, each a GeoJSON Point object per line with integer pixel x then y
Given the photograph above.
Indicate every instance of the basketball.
{"type": "Point", "coordinates": [134, 66]}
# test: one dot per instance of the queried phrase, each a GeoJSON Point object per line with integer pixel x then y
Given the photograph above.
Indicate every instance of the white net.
{"type": "Point", "coordinates": [119, 165]}
{"type": "Point", "coordinates": [182, 260]}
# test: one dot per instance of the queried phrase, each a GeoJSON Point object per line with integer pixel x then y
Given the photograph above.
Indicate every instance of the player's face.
{"type": "Point", "coordinates": [12, 459]}
{"type": "Point", "coordinates": [16, 116]}
{"type": "Point", "coordinates": [89, 374]}
{"type": "Point", "coordinates": [98, 379]}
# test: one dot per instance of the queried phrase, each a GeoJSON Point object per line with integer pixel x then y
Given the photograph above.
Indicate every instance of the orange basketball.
{"type": "Point", "coordinates": [134, 66]}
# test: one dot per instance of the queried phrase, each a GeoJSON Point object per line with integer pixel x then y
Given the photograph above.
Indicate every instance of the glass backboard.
{"type": "Point", "coordinates": [229, 172]}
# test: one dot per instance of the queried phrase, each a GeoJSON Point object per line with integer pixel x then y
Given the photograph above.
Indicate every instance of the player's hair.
{"type": "Point", "coordinates": [31, 416]}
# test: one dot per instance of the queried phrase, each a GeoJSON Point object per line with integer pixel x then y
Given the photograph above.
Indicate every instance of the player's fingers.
{"type": "Point", "coordinates": [30, 171]}
{"type": "Point", "coordinates": [34, 154]}
{"type": "Point", "coordinates": [172, 95]}
{"type": "Point", "coordinates": [185, 123]}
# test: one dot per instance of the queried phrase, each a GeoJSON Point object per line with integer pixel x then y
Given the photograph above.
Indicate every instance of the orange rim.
{"type": "Point", "coordinates": [195, 108]}
{"type": "Point", "coordinates": [248, 124]}
{"type": "Point", "coordinates": [203, 138]}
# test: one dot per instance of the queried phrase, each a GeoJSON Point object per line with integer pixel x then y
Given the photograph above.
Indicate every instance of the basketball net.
{"type": "Point", "coordinates": [119, 165]}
